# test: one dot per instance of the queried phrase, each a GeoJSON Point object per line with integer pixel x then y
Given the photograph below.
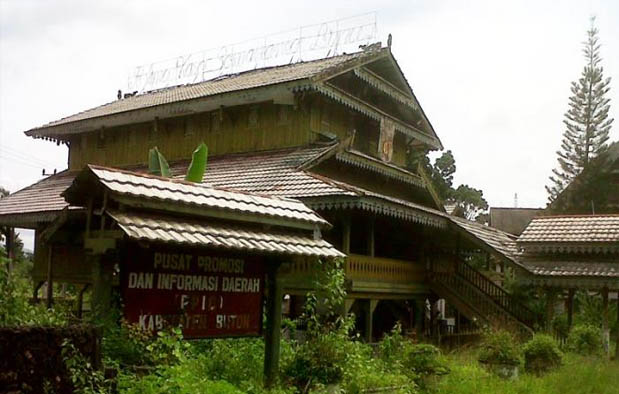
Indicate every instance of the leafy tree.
{"type": "Point", "coordinates": [471, 200]}
{"type": "Point", "coordinates": [586, 122]}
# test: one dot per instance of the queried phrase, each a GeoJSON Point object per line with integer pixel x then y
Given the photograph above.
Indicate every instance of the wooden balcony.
{"type": "Point", "coordinates": [364, 274]}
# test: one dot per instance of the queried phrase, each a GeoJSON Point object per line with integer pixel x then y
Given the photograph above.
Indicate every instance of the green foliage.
{"type": "Point", "coordinates": [541, 354]}
{"type": "Point", "coordinates": [417, 361]}
{"type": "Point", "coordinates": [578, 375]}
{"type": "Point", "coordinates": [196, 169]}
{"type": "Point", "coordinates": [585, 340]}
{"type": "Point", "coordinates": [16, 308]}
{"type": "Point", "coordinates": [499, 347]}
{"type": "Point", "coordinates": [586, 122]}
{"type": "Point", "coordinates": [85, 378]}
{"type": "Point", "coordinates": [126, 344]}
{"type": "Point", "coordinates": [323, 356]}
{"type": "Point", "coordinates": [157, 164]}
{"type": "Point", "coordinates": [471, 200]}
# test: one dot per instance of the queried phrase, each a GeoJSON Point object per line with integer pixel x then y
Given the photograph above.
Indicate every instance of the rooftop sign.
{"type": "Point", "coordinates": [301, 44]}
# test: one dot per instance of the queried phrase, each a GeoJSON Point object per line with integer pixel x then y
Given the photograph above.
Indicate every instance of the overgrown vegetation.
{"type": "Point", "coordinates": [541, 354]}
{"type": "Point", "coordinates": [330, 359]}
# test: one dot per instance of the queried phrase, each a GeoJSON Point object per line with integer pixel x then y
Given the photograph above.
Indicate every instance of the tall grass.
{"type": "Point", "coordinates": [578, 375]}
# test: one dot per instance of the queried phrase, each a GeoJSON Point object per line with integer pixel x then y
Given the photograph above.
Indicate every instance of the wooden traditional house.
{"type": "Point", "coordinates": [567, 253]}
{"type": "Point", "coordinates": [343, 135]}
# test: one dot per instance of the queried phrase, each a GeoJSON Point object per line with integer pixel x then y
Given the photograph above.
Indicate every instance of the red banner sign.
{"type": "Point", "coordinates": [208, 294]}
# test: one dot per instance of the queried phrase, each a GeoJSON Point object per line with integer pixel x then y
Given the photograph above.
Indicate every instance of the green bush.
{"type": "Point", "coordinates": [541, 354]}
{"type": "Point", "coordinates": [585, 340]}
{"type": "Point", "coordinates": [499, 347]}
{"type": "Point", "coordinates": [419, 362]}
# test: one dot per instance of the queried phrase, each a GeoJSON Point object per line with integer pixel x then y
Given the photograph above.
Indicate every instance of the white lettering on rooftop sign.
{"type": "Point", "coordinates": [301, 44]}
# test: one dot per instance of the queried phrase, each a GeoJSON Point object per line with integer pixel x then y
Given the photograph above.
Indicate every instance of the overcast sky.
{"type": "Point", "coordinates": [492, 76]}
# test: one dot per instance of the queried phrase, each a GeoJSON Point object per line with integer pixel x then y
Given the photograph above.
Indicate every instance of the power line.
{"type": "Point", "coordinates": [24, 155]}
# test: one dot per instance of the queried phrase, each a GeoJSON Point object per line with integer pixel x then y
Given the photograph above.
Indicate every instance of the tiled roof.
{"type": "Point", "coordinates": [573, 268]}
{"type": "Point", "coordinates": [498, 240]}
{"type": "Point", "coordinates": [143, 186]}
{"type": "Point", "coordinates": [224, 84]}
{"type": "Point", "coordinates": [273, 172]}
{"type": "Point", "coordinates": [270, 172]}
{"type": "Point", "coordinates": [572, 229]}
{"type": "Point", "coordinates": [40, 201]}
{"type": "Point", "coordinates": [183, 231]}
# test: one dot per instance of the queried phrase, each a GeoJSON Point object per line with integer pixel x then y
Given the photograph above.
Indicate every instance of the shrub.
{"type": "Point", "coordinates": [585, 340]}
{"type": "Point", "coordinates": [541, 354]}
{"type": "Point", "coordinates": [417, 361]}
{"type": "Point", "coordinates": [426, 360]}
{"type": "Point", "coordinates": [499, 347]}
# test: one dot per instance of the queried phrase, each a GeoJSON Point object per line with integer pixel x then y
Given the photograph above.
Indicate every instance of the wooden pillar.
{"type": "Point", "coordinates": [370, 307]}
{"type": "Point", "coordinates": [273, 325]}
{"type": "Point", "coordinates": [10, 249]}
{"type": "Point", "coordinates": [605, 327]}
{"type": "Point", "coordinates": [570, 308]}
{"type": "Point", "coordinates": [50, 279]}
{"type": "Point", "coordinates": [420, 309]}
{"type": "Point", "coordinates": [101, 296]}
{"type": "Point", "coordinates": [80, 300]}
{"type": "Point", "coordinates": [346, 235]}
{"type": "Point", "coordinates": [371, 237]}
{"type": "Point", "coordinates": [551, 296]}
{"type": "Point", "coordinates": [617, 334]}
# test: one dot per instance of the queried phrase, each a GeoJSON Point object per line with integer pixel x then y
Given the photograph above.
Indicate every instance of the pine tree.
{"type": "Point", "coordinates": [586, 121]}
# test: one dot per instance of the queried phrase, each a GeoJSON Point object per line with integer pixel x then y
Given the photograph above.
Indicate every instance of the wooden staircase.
{"type": "Point", "coordinates": [478, 298]}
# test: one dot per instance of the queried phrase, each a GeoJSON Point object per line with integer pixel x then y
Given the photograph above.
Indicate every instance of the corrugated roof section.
{"type": "Point", "coordinates": [229, 83]}
{"type": "Point", "coordinates": [144, 186]}
{"type": "Point", "coordinates": [573, 229]}
{"type": "Point", "coordinates": [181, 231]}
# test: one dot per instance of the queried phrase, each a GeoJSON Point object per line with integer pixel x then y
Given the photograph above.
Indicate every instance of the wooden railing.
{"type": "Point", "coordinates": [381, 269]}
{"type": "Point", "coordinates": [480, 293]}
{"type": "Point", "coordinates": [497, 293]}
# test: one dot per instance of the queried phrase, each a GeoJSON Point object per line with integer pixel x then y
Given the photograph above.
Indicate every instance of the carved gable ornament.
{"type": "Point", "coordinates": [385, 141]}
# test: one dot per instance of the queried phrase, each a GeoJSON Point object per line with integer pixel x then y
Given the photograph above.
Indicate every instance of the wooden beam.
{"type": "Point", "coordinates": [570, 308]}
{"type": "Point", "coordinates": [370, 307]}
{"type": "Point", "coordinates": [605, 326]}
{"type": "Point", "coordinates": [617, 335]}
{"type": "Point", "coordinates": [273, 325]}
{"type": "Point", "coordinates": [371, 237]}
{"type": "Point", "coordinates": [50, 272]}
{"type": "Point", "coordinates": [346, 235]}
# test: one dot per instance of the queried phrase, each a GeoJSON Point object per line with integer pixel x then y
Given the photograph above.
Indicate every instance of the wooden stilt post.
{"type": "Point", "coordinates": [80, 300]}
{"type": "Point", "coordinates": [273, 325]}
{"type": "Point", "coordinates": [570, 308]}
{"type": "Point", "coordinates": [50, 274]}
{"type": "Point", "coordinates": [370, 307]}
{"type": "Point", "coordinates": [617, 335]}
{"type": "Point", "coordinates": [551, 295]}
{"type": "Point", "coordinates": [605, 327]}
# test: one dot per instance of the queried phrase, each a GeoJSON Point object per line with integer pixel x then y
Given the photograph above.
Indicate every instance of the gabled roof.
{"type": "Point", "coordinates": [512, 220]}
{"type": "Point", "coordinates": [572, 229]}
{"type": "Point", "coordinates": [139, 189]}
{"type": "Point", "coordinates": [190, 99]}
